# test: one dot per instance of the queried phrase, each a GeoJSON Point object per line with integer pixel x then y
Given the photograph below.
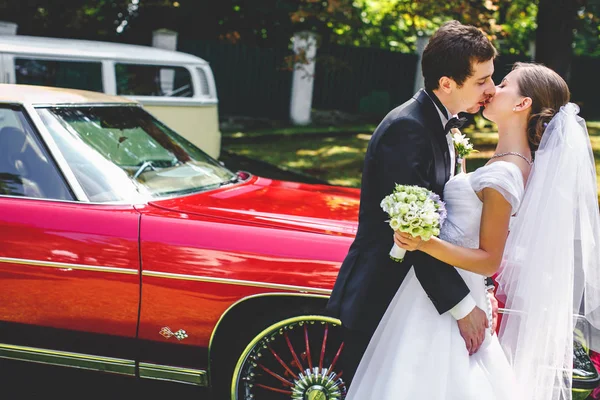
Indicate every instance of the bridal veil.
{"type": "Point", "coordinates": [550, 275]}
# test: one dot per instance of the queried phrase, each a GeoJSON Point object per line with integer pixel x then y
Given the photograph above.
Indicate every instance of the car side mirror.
{"type": "Point", "coordinates": [243, 175]}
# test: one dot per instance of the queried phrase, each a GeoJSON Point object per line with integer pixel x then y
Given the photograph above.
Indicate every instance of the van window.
{"type": "Point", "coordinates": [204, 88]}
{"type": "Point", "coordinates": [153, 80]}
{"type": "Point", "coordinates": [67, 74]}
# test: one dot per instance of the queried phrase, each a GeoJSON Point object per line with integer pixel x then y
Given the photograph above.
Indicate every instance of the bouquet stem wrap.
{"type": "Point", "coordinates": [397, 253]}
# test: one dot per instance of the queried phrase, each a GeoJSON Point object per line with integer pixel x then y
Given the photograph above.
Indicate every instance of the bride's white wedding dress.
{"type": "Point", "coordinates": [416, 353]}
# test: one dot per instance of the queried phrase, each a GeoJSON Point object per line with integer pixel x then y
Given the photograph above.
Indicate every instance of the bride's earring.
{"type": "Point", "coordinates": [514, 108]}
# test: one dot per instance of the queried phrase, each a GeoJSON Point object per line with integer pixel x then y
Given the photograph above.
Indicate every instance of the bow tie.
{"type": "Point", "coordinates": [454, 123]}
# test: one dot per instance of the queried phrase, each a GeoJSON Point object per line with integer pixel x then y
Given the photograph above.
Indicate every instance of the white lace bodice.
{"type": "Point", "coordinates": [464, 212]}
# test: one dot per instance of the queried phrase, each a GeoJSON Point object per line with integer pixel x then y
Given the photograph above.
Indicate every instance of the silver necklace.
{"type": "Point", "coordinates": [514, 153]}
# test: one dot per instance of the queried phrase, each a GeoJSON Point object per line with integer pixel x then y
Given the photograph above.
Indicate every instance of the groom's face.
{"type": "Point", "coordinates": [478, 89]}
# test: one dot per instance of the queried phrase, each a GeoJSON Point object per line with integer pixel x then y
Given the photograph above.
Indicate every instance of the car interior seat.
{"type": "Point", "coordinates": [17, 165]}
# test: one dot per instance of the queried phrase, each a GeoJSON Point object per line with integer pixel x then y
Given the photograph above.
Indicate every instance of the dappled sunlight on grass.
{"type": "Point", "coordinates": [339, 159]}
{"type": "Point", "coordinates": [328, 151]}
{"type": "Point", "coordinates": [299, 130]}
{"type": "Point", "coordinates": [336, 159]}
{"type": "Point", "coordinates": [484, 139]}
{"type": "Point", "coordinates": [350, 182]}
{"type": "Point", "coordinates": [594, 128]}
{"type": "Point", "coordinates": [300, 164]}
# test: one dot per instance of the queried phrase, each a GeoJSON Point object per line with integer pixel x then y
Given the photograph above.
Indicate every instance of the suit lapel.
{"type": "Point", "coordinates": [433, 124]}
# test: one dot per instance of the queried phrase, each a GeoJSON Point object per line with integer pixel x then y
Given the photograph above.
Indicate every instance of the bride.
{"type": "Point", "coordinates": [548, 266]}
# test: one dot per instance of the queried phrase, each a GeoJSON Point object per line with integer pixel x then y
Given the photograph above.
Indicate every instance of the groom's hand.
{"type": "Point", "coordinates": [472, 329]}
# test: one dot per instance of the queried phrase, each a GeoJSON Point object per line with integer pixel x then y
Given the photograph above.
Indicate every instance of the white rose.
{"type": "Point", "coordinates": [427, 218]}
{"type": "Point", "coordinates": [410, 216]}
{"type": "Point", "coordinates": [460, 139]}
{"type": "Point", "coordinates": [457, 136]}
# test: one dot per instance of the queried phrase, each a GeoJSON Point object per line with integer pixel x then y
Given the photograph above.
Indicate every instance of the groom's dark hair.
{"type": "Point", "coordinates": [452, 51]}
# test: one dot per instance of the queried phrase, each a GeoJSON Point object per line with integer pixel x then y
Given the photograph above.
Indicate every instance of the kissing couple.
{"type": "Point", "coordinates": [424, 328]}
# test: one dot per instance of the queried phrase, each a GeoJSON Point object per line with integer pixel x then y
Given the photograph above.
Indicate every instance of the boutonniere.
{"type": "Point", "coordinates": [462, 146]}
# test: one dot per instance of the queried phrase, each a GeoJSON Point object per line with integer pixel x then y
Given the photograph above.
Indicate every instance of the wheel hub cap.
{"type": "Point", "coordinates": [318, 384]}
{"type": "Point", "coordinates": [296, 360]}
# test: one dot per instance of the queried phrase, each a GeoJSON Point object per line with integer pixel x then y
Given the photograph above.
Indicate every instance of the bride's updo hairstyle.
{"type": "Point", "coordinates": [548, 92]}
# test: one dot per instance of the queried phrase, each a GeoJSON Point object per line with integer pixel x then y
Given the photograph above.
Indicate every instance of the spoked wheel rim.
{"type": "Point", "coordinates": [297, 359]}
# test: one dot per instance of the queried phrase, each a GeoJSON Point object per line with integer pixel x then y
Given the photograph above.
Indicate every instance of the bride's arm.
{"type": "Point", "coordinates": [486, 259]}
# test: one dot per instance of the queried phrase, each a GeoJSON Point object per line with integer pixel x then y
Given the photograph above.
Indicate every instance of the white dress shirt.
{"type": "Point", "coordinates": [466, 305]}
{"type": "Point", "coordinates": [445, 120]}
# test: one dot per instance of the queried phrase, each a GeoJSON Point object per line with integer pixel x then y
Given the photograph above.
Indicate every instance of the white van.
{"type": "Point", "coordinates": [177, 88]}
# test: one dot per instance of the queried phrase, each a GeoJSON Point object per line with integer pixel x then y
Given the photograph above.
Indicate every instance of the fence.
{"type": "Point", "coordinates": [362, 80]}
{"type": "Point", "coordinates": [252, 81]}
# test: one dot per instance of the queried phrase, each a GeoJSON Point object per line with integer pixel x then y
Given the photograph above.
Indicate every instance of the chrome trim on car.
{"type": "Point", "coordinates": [301, 289]}
{"type": "Point", "coordinates": [256, 296]}
{"type": "Point", "coordinates": [87, 203]}
{"type": "Point", "coordinates": [131, 103]}
{"type": "Point", "coordinates": [103, 364]}
{"type": "Point", "coordinates": [55, 152]}
{"type": "Point", "coordinates": [170, 101]}
{"type": "Point", "coordinates": [252, 297]}
{"type": "Point", "coordinates": [173, 374]}
{"type": "Point", "coordinates": [51, 264]}
{"type": "Point", "coordinates": [67, 359]}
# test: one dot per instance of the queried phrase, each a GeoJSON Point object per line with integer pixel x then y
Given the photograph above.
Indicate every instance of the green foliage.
{"type": "Point", "coordinates": [395, 24]}
{"type": "Point", "coordinates": [86, 19]}
{"type": "Point", "coordinates": [384, 24]}
{"type": "Point", "coordinates": [587, 33]}
{"type": "Point", "coordinates": [518, 21]}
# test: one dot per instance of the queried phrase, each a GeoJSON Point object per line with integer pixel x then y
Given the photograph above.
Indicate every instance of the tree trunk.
{"type": "Point", "coordinates": [554, 35]}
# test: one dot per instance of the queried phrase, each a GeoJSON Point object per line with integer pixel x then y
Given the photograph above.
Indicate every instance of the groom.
{"type": "Point", "coordinates": [411, 146]}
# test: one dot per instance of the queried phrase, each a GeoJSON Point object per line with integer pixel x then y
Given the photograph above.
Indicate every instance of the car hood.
{"type": "Point", "coordinates": [268, 202]}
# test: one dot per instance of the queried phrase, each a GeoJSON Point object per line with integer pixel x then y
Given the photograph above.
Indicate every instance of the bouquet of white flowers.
{"type": "Point", "coordinates": [414, 210]}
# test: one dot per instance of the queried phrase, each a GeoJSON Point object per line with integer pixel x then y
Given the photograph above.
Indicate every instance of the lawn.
{"type": "Point", "coordinates": [337, 156]}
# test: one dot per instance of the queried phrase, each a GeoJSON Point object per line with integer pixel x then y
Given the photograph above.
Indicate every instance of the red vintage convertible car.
{"type": "Point", "coordinates": [126, 249]}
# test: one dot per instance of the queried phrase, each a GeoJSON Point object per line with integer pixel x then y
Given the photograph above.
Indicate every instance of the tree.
{"type": "Point", "coordinates": [87, 19]}
{"type": "Point", "coordinates": [554, 35]}
{"type": "Point", "coordinates": [395, 24]}
{"type": "Point", "coordinates": [587, 33]}
{"type": "Point", "coordinates": [557, 22]}
{"type": "Point", "coordinates": [518, 21]}
{"type": "Point", "coordinates": [386, 24]}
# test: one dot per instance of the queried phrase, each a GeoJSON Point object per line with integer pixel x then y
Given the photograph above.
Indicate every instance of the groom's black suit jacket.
{"type": "Point", "coordinates": [408, 147]}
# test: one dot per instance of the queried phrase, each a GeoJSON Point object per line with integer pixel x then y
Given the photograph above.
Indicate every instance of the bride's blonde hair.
{"type": "Point", "coordinates": [548, 92]}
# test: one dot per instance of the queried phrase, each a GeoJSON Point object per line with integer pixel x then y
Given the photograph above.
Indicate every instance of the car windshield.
{"type": "Point", "coordinates": [122, 153]}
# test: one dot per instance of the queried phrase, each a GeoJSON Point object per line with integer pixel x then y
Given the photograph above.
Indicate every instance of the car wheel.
{"type": "Point", "coordinates": [296, 358]}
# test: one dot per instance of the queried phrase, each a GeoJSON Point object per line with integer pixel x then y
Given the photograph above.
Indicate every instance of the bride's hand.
{"type": "Point", "coordinates": [407, 241]}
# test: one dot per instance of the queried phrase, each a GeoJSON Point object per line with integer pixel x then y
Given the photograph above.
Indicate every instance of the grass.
{"type": "Point", "coordinates": [337, 157]}
{"type": "Point", "coordinates": [300, 130]}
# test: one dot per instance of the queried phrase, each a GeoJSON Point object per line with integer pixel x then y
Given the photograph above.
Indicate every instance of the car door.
{"type": "Point", "coordinates": [69, 271]}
